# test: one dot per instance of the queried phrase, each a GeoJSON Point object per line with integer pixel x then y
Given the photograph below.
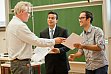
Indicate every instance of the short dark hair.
{"type": "Point", "coordinates": [88, 15]}
{"type": "Point", "coordinates": [51, 12]}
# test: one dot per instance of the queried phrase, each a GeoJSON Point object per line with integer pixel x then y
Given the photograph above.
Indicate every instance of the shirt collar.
{"type": "Point", "coordinates": [89, 30]}
{"type": "Point", "coordinates": [15, 17]}
{"type": "Point", "coordinates": [53, 28]}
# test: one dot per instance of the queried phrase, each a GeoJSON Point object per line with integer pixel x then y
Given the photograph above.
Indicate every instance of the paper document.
{"type": "Point", "coordinates": [72, 39]}
{"type": "Point", "coordinates": [40, 53]}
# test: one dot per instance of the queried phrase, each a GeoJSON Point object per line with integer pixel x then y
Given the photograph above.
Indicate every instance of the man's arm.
{"type": "Point", "coordinates": [87, 47]}
{"type": "Point", "coordinates": [27, 36]}
{"type": "Point", "coordinates": [98, 39]}
{"type": "Point", "coordinates": [73, 56]}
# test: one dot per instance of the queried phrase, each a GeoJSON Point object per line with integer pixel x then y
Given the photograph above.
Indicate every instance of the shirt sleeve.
{"type": "Point", "coordinates": [27, 36]}
{"type": "Point", "coordinates": [99, 38]}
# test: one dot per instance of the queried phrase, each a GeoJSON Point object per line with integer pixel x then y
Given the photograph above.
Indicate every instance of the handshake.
{"type": "Point", "coordinates": [59, 40]}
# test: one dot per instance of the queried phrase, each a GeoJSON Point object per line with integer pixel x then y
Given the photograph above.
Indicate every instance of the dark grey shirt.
{"type": "Point", "coordinates": [94, 59]}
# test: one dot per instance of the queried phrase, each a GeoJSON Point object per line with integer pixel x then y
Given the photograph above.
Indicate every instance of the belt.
{"type": "Point", "coordinates": [21, 59]}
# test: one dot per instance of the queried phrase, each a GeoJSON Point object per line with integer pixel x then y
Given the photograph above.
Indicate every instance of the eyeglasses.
{"type": "Point", "coordinates": [81, 18]}
{"type": "Point", "coordinates": [29, 12]}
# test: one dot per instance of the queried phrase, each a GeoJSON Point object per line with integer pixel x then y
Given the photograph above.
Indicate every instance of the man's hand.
{"type": "Point", "coordinates": [78, 46]}
{"type": "Point", "coordinates": [59, 40]}
{"type": "Point", "coordinates": [71, 57]}
{"type": "Point", "coordinates": [55, 51]}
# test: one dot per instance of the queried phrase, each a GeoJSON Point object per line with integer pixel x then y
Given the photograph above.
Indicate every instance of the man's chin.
{"type": "Point", "coordinates": [26, 21]}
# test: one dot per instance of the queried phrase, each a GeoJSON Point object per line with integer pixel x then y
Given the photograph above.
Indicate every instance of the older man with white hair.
{"type": "Point", "coordinates": [20, 39]}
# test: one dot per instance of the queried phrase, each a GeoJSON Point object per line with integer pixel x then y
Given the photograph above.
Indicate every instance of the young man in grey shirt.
{"type": "Point", "coordinates": [93, 46]}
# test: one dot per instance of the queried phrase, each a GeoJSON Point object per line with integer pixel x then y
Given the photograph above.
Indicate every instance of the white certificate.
{"type": "Point", "coordinates": [72, 39]}
{"type": "Point", "coordinates": [40, 53]}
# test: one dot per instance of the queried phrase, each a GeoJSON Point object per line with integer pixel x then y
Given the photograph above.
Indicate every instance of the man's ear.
{"type": "Point", "coordinates": [56, 21]}
{"type": "Point", "coordinates": [89, 19]}
{"type": "Point", "coordinates": [21, 12]}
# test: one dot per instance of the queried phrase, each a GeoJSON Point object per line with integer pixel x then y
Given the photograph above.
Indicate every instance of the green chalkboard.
{"type": "Point", "coordinates": [43, 2]}
{"type": "Point", "coordinates": [68, 18]}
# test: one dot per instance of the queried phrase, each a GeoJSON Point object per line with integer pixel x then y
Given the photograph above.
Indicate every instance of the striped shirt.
{"type": "Point", "coordinates": [94, 59]}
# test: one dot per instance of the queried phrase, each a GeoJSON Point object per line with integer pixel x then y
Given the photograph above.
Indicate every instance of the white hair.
{"type": "Point", "coordinates": [22, 5]}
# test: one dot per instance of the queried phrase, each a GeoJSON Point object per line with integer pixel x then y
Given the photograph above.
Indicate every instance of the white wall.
{"type": "Point", "coordinates": [2, 43]}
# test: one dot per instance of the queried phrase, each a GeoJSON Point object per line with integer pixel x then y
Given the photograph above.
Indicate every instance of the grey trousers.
{"type": "Point", "coordinates": [20, 67]}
